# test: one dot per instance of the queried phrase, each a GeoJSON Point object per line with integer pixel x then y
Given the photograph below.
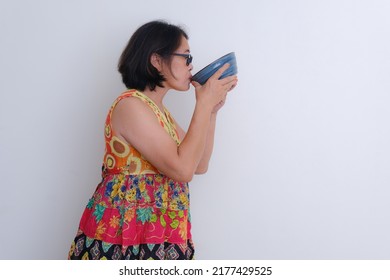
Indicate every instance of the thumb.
{"type": "Point", "coordinates": [195, 84]}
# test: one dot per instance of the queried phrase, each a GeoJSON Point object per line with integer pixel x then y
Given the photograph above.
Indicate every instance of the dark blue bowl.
{"type": "Point", "coordinates": [203, 75]}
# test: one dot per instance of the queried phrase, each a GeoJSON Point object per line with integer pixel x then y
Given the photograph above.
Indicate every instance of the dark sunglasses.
{"type": "Point", "coordinates": [188, 57]}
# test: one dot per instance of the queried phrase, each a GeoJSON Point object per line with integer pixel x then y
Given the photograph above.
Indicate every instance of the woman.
{"type": "Point", "coordinates": [140, 209]}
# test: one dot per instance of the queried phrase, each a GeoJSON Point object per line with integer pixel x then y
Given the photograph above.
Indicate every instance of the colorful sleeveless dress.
{"type": "Point", "coordinates": [135, 212]}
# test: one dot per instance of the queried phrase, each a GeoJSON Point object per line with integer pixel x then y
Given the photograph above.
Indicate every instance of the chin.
{"type": "Point", "coordinates": [183, 88]}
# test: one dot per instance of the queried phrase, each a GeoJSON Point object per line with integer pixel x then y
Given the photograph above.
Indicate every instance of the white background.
{"type": "Point", "coordinates": [302, 157]}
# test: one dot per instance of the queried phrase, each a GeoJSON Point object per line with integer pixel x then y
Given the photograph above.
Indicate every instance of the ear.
{"type": "Point", "coordinates": [156, 61]}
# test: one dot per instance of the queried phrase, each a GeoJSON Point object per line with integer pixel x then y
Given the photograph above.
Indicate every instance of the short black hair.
{"type": "Point", "coordinates": [134, 64]}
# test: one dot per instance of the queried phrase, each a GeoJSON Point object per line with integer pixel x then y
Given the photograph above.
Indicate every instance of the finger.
{"type": "Point", "coordinates": [233, 85]}
{"type": "Point", "coordinates": [220, 71]}
{"type": "Point", "coordinates": [229, 80]}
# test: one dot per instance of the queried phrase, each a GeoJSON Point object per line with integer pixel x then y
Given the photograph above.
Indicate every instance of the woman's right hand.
{"type": "Point", "coordinates": [214, 91]}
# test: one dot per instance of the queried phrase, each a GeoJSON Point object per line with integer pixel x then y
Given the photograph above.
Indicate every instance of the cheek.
{"type": "Point", "coordinates": [180, 73]}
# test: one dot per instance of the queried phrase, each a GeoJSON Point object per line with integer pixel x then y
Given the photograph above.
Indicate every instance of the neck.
{"type": "Point", "coordinates": [157, 95]}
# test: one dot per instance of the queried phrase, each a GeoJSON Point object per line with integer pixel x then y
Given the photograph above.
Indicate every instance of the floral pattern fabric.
{"type": "Point", "coordinates": [134, 204]}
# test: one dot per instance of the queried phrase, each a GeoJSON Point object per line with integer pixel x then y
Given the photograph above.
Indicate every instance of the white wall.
{"type": "Point", "coordinates": [302, 156]}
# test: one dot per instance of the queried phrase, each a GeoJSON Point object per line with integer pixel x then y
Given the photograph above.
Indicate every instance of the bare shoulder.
{"type": "Point", "coordinates": [130, 113]}
{"type": "Point", "coordinates": [128, 105]}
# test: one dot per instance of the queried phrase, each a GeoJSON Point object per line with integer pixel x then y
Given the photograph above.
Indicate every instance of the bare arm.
{"type": "Point", "coordinates": [204, 162]}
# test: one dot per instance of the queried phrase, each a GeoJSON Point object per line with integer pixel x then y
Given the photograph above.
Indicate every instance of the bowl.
{"type": "Point", "coordinates": [203, 75]}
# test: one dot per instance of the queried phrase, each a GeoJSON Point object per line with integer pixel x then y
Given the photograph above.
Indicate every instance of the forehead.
{"type": "Point", "coordinates": [184, 45]}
